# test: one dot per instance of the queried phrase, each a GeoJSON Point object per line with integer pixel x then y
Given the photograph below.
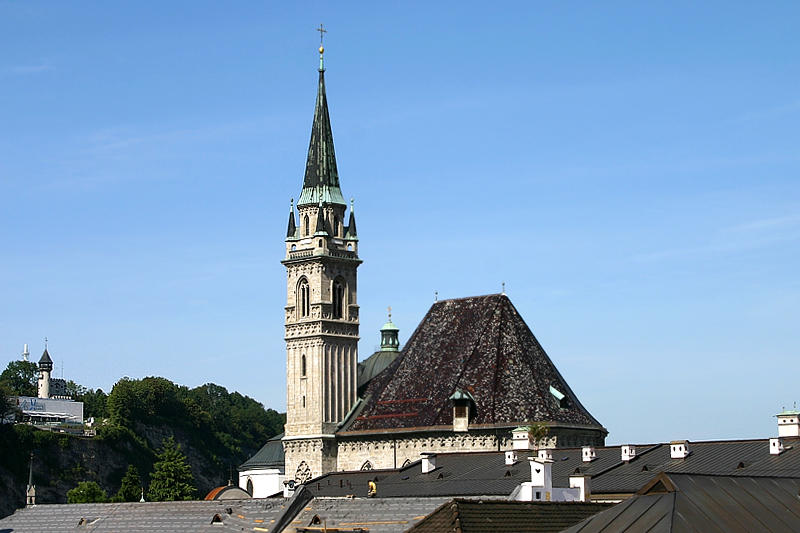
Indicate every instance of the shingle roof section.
{"type": "Point", "coordinates": [481, 345]}
{"type": "Point", "coordinates": [195, 516]}
{"type": "Point", "coordinates": [676, 503]}
{"type": "Point", "coordinates": [494, 516]}
{"type": "Point", "coordinates": [377, 515]}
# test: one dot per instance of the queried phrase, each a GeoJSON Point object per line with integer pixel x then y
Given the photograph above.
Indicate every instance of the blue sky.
{"type": "Point", "coordinates": [630, 170]}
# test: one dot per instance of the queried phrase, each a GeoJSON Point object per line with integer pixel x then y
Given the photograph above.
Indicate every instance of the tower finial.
{"type": "Point", "coordinates": [390, 313]}
{"type": "Point", "coordinates": [435, 296]}
{"type": "Point", "coordinates": [322, 31]}
{"type": "Point", "coordinates": [504, 288]}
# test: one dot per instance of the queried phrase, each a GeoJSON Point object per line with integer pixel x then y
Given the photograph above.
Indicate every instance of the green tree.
{"type": "Point", "coordinates": [20, 378]}
{"type": "Point", "coordinates": [171, 478]}
{"type": "Point", "coordinates": [87, 492]}
{"type": "Point", "coordinates": [94, 403]}
{"type": "Point", "coordinates": [131, 486]}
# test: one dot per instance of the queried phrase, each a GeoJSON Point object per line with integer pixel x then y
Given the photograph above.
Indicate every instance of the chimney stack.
{"type": "Point", "coordinates": [588, 454]}
{"type": "Point", "coordinates": [428, 462]}
{"type": "Point", "coordinates": [776, 446]}
{"type": "Point", "coordinates": [511, 457]}
{"type": "Point", "coordinates": [541, 474]}
{"type": "Point", "coordinates": [628, 452]}
{"type": "Point", "coordinates": [545, 454]}
{"type": "Point", "coordinates": [789, 423]}
{"type": "Point", "coordinates": [521, 439]}
{"type": "Point", "coordinates": [581, 481]}
{"type": "Point", "coordinates": [679, 449]}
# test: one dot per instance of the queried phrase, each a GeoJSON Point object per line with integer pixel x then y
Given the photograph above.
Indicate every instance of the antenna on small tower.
{"type": "Point", "coordinates": [25, 352]}
{"type": "Point", "coordinates": [45, 343]}
{"type": "Point", "coordinates": [504, 289]}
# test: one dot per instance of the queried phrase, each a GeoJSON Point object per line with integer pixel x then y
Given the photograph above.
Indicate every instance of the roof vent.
{"type": "Point", "coordinates": [588, 454]}
{"type": "Point", "coordinates": [428, 462]}
{"type": "Point", "coordinates": [545, 454]}
{"type": "Point", "coordinates": [628, 452]}
{"type": "Point", "coordinates": [776, 446]}
{"type": "Point", "coordinates": [521, 439]}
{"type": "Point", "coordinates": [679, 449]}
{"type": "Point", "coordinates": [789, 423]}
{"type": "Point", "coordinates": [511, 457]}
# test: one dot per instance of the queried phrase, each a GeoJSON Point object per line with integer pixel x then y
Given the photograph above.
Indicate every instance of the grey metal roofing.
{"type": "Point", "coordinates": [494, 516]}
{"type": "Point", "coordinates": [374, 365]}
{"type": "Point", "coordinates": [321, 182]}
{"type": "Point", "coordinates": [269, 456]}
{"type": "Point", "coordinates": [485, 473]}
{"type": "Point", "coordinates": [479, 344]}
{"type": "Point", "coordinates": [732, 457]}
{"type": "Point", "coordinates": [676, 503]}
{"type": "Point", "coordinates": [378, 515]}
{"type": "Point", "coordinates": [194, 516]}
{"type": "Point", "coordinates": [45, 357]}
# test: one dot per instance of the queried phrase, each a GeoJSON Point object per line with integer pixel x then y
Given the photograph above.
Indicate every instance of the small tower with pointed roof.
{"type": "Point", "coordinates": [321, 319]}
{"type": "Point", "coordinates": [45, 367]}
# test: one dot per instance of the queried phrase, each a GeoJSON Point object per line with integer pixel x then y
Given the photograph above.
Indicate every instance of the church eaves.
{"type": "Point", "coordinates": [480, 345]}
{"type": "Point", "coordinates": [321, 178]}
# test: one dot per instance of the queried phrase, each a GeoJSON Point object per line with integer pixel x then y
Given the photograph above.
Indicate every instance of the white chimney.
{"type": "Point", "coordinates": [288, 488]}
{"type": "Point", "coordinates": [776, 446]}
{"type": "Point", "coordinates": [521, 439]}
{"type": "Point", "coordinates": [789, 423]}
{"type": "Point", "coordinates": [541, 474]}
{"type": "Point", "coordinates": [581, 481]}
{"type": "Point", "coordinates": [511, 457]}
{"type": "Point", "coordinates": [628, 452]}
{"type": "Point", "coordinates": [679, 449]}
{"type": "Point", "coordinates": [588, 454]}
{"type": "Point", "coordinates": [428, 462]}
{"type": "Point", "coordinates": [545, 454]}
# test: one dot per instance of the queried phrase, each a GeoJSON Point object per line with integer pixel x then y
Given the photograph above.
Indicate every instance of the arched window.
{"type": "Point", "coordinates": [335, 225]}
{"type": "Point", "coordinates": [250, 486]}
{"type": "Point", "coordinates": [338, 299]}
{"type": "Point", "coordinates": [303, 297]}
{"type": "Point", "coordinates": [366, 466]}
{"type": "Point", "coordinates": [303, 365]}
{"type": "Point", "coordinates": [305, 225]}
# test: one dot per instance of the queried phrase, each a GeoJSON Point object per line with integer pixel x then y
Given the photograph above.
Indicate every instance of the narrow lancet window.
{"type": "Point", "coordinates": [338, 299]}
{"type": "Point", "coordinates": [303, 298]}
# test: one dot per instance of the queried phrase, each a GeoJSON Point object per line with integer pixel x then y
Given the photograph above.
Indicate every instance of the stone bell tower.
{"type": "Point", "coordinates": [321, 308]}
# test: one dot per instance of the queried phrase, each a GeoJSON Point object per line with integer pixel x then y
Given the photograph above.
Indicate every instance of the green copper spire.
{"type": "Point", "coordinates": [321, 178]}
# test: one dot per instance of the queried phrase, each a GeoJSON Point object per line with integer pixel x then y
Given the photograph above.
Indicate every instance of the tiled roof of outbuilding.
{"type": "Point", "coordinates": [497, 516]}
{"type": "Point", "coordinates": [481, 345]}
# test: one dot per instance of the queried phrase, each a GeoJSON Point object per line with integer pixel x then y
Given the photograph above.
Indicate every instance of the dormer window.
{"type": "Point", "coordinates": [463, 404]}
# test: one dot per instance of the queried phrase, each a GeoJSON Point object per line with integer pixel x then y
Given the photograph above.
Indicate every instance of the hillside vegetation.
{"type": "Point", "coordinates": [217, 430]}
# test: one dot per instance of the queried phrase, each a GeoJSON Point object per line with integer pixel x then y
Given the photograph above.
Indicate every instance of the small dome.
{"type": "Point", "coordinates": [389, 326]}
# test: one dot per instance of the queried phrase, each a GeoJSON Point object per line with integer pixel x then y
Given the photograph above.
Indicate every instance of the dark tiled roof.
{"type": "Point", "coordinates": [481, 345]}
{"type": "Point", "coordinates": [269, 456]}
{"type": "Point", "coordinates": [675, 503]}
{"type": "Point", "coordinates": [493, 516]}
{"type": "Point", "coordinates": [377, 515]}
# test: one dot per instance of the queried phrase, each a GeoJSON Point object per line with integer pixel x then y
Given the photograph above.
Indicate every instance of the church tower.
{"type": "Point", "coordinates": [321, 308]}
